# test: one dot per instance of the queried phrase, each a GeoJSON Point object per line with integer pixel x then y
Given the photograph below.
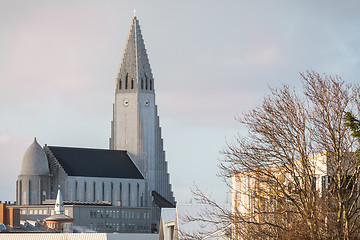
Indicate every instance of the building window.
{"type": "Point", "coordinates": [150, 84]}
{"type": "Point", "coordinates": [103, 191]}
{"type": "Point", "coordinates": [85, 190]}
{"type": "Point", "coordinates": [146, 82]}
{"type": "Point", "coordinates": [137, 195]}
{"type": "Point", "coordinates": [142, 200]}
{"type": "Point", "coordinates": [76, 190]}
{"type": "Point", "coordinates": [129, 195]}
{"type": "Point", "coordinates": [132, 83]}
{"type": "Point", "coordinates": [94, 193]}
{"type": "Point", "coordinates": [120, 197]}
{"type": "Point", "coordinates": [112, 193]}
{"type": "Point", "coordinates": [20, 192]}
{"type": "Point", "coordinates": [126, 81]}
{"type": "Point", "coordinates": [142, 83]}
{"type": "Point", "coordinates": [120, 84]}
{"type": "Point", "coordinates": [29, 198]}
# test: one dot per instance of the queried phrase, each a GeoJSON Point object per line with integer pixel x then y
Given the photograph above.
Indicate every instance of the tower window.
{"type": "Point", "coordinates": [151, 84]}
{"type": "Point", "coordinates": [132, 83]}
{"type": "Point", "coordinates": [120, 84]}
{"type": "Point", "coordinates": [126, 81]}
{"type": "Point", "coordinates": [146, 82]}
{"type": "Point", "coordinates": [142, 83]}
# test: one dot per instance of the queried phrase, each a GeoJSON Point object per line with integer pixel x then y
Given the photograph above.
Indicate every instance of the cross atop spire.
{"type": "Point", "coordinates": [134, 13]}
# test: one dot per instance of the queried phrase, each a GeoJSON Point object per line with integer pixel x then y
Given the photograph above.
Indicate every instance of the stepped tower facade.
{"type": "Point", "coordinates": [135, 126]}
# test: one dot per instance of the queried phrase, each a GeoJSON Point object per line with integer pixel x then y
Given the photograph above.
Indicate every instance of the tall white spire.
{"type": "Point", "coordinates": [59, 204]}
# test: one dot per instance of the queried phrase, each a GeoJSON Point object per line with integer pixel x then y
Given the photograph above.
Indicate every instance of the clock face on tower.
{"type": "Point", "coordinates": [126, 102]}
{"type": "Point", "coordinates": [147, 103]}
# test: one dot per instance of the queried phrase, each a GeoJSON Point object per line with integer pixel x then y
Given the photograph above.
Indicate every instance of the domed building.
{"type": "Point", "coordinates": [33, 184]}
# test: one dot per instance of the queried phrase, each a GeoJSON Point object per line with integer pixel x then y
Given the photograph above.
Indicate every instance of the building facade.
{"type": "Point", "coordinates": [9, 215]}
{"type": "Point", "coordinates": [279, 195]}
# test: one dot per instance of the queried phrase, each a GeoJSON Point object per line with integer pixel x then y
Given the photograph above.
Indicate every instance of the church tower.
{"type": "Point", "coordinates": [135, 126]}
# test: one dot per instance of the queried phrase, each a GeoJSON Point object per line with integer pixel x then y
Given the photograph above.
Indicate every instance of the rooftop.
{"type": "Point", "coordinates": [89, 162]}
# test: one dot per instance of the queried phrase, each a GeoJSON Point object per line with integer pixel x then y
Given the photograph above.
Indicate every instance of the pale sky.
{"type": "Point", "coordinates": [211, 60]}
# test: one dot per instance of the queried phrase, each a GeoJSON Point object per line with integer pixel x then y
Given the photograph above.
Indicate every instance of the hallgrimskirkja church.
{"type": "Point", "coordinates": [120, 189]}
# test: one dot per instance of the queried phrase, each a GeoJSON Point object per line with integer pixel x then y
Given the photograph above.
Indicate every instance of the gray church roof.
{"type": "Point", "coordinates": [87, 162]}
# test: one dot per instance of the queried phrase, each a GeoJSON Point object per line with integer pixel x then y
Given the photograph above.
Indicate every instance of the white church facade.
{"type": "Point", "coordinates": [130, 177]}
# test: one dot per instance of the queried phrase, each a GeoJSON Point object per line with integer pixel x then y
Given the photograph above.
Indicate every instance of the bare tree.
{"type": "Point", "coordinates": [213, 220]}
{"type": "Point", "coordinates": [295, 173]}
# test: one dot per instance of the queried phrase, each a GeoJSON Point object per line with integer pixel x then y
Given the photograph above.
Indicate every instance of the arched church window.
{"type": "Point", "coordinates": [112, 193]}
{"type": "Point", "coordinates": [142, 83]}
{"type": "Point", "coordinates": [94, 192]}
{"type": "Point", "coordinates": [142, 200]}
{"type": "Point", "coordinates": [120, 83]}
{"type": "Point", "coordinates": [137, 195]}
{"type": "Point", "coordinates": [29, 192]}
{"type": "Point", "coordinates": [120, 197]}
{"type": "Point", "coordinates": [132, 83]}
{"type": "Point", "coordinates": [76, 190]}
{"type": "Point", "coordinates": [20, 192]}
{"type": "Point", "coordinates": [129, 195]}
{"type": "Point", "coordinates": [150, 84]}
{"type": "Point", "coordinates": [85, 191]}
{"type": "Point", "coordinates": [103, 191]}
{"type": "Point", "coordinates": [126, 81]}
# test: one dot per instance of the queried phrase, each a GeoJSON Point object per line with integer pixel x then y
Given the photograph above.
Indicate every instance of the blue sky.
{"type": "Point", "coordinates": [211, 60]}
